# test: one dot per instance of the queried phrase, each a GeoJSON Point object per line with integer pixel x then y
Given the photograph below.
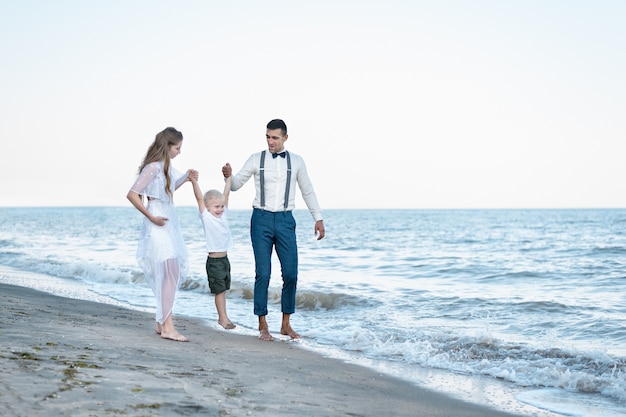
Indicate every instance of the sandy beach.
{"type": "Point", "coordinates": [66, 357]}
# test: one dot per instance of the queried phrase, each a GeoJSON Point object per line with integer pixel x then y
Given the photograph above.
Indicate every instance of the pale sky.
{"type": "Point", "coordinates": [392, 104]}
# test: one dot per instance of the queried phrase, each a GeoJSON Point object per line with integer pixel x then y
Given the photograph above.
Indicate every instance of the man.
{"type": "Point", "coordinates": [272, 225]}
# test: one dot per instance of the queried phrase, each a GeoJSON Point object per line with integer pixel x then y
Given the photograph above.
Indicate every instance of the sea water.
{"type": "Point", "coordinates": [523, 310]}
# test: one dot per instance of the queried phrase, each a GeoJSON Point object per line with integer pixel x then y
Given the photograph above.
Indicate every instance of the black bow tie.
{"type": "Point", "coordinates": [282, 154]}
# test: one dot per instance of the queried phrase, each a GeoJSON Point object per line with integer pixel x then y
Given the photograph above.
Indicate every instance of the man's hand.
{"type": "Point", "coordinates": [320, 232]}
{"type": "Point", "coordinates": [227, 171]}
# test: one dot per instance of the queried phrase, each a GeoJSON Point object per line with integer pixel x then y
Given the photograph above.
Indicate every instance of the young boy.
{"type": "Point", "coordinates": [213, 208]}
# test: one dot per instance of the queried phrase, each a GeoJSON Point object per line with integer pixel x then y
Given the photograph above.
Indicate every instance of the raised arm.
{"type": "Point", "coordinates": [197, 192]}
{"type": "Point", "coordinates": [247, 171]}
{"type": "Point", "coordinates": [227, 184]}
{"type": "Point", "coordinates": [186, 177]}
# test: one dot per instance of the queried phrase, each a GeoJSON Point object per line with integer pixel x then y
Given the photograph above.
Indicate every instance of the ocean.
{"type": "Point", "coordinates": [523, 310]}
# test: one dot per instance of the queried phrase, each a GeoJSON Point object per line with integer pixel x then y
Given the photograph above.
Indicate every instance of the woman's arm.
{"type": "Point", "coordinates": [137, 202]}
{"type": "Point", "coordinates": [183, 179]}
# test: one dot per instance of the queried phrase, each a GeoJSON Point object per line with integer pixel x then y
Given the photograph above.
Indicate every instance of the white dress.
{"type": "Point", "coordinates": [161, 252]}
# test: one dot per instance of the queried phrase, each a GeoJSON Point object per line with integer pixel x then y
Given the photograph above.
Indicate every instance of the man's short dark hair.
{"type": "Point", "coordinates": [277, 124]}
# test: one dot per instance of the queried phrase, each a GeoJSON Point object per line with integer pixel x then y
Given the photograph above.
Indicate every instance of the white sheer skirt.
{"type": "Point", "coordinates": [162, 256]}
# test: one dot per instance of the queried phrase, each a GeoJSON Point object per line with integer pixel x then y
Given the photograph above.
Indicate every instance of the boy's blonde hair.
{"type": "Point", "coordinates": [212, 194]}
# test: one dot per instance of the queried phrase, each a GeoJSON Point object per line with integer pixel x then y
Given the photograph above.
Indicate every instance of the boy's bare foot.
{"type": "Point", "coordinates": [174, 335]}
{"type": "Point", "coordinates": [228, 325]}
{"type": "Point", "coordinates": [288, 331]}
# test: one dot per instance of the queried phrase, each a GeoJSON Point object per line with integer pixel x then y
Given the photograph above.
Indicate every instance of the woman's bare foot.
{"type": "Point", "coordinates": [158, 328]}
{"type": "Point", "coordinates": [228, 325]}
{"type": "Point", "coordinates": [174, 335]}
{"type": "Point", "coordinates": [168, 331]}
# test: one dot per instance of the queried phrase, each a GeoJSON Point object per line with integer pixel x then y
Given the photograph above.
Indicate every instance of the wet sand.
{"type": "Point", "coordinates": [66, 357]}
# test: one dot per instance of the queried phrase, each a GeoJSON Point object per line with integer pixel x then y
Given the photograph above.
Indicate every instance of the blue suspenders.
{"type": "Point", "coordinates": [262, 179]}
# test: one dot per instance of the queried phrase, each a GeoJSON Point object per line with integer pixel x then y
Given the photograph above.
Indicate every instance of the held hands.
{"type": "Point", "coordinates": [227, 170]}
{"type": "Point", "coordinates": [192, 174]}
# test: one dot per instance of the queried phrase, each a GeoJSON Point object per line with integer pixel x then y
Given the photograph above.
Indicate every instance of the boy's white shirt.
{"type": "Point", "coordinates": [216, 231]}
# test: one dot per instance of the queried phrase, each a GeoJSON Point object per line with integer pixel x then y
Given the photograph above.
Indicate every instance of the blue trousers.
{"type": "Point", "coordinates": [270, 230]}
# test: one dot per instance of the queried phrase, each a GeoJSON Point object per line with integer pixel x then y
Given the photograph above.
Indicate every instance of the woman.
{"type": "Point", "coordinates": [161, 252]}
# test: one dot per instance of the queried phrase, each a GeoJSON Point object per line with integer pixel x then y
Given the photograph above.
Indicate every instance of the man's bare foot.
{"type": "Point", "coordinates": [265, 335]}
{"type": "Point", "coordinates": [288, 331]}
{"type": "Point", "coordinates": [174, 335]}
{"type": "Point", "coordinates": [158, 328]}
{"type": "Point", "coordinates": [228, 325]}
{"type": "Point", "coordinates": [264, 332]}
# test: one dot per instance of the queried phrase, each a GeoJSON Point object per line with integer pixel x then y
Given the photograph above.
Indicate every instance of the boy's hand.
{"type": "Point", "coordinates": [193, 175]}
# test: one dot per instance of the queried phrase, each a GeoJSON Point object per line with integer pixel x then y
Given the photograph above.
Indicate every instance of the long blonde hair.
{"type": "Point", "coordinates": [160, 151]}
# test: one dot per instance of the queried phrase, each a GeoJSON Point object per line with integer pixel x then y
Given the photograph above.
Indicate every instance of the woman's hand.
{"type": "Point", "coordinates": [159, 221]}
{"type": "Point", "coordinates": [192, 173]}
